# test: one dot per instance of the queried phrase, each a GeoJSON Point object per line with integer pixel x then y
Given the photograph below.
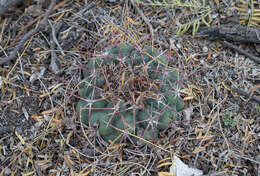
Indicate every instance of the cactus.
{"type": "Point", "coordinates": [130, 91]}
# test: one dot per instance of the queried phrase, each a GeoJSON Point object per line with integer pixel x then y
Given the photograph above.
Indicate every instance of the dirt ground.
{"type": "Point", "coordinates": [41, 133]}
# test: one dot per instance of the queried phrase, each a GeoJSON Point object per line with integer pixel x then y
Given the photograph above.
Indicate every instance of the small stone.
{"type": "Point", "coordinates": [257, 158]}
{"type": "Point", "coordinates": [214, 16]}
{"type": "Point", "coordinates": [179, 46]}
{"type": "Point", "coordinates": [34, 10]}
{"type": "Point", "coordinates": [112, 1]}
{"type": "Point", "coordinates": [8, 171]}
{"type": "Point", "coordinates": [205, 49]}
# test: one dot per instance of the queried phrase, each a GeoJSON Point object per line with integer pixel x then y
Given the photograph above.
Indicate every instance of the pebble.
{"type": "Point", "coordinates": [257, 158]}
{"type": "Point", "coordinates": [179, 46]}
{"type": "Point", "coordinates": [205, 49]}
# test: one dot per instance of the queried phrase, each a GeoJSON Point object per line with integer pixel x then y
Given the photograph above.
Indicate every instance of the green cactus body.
{"type": "Point", "coordinates": [114, 137]}
{"type": "Point", "coordinates": [123, 50]}
{"type": "Point", "coordinates": [84, 92]}
{"type": "Point", "coordinates": [91, 66]}
{"type": "Point", "coordinates": [151, 134]}
{"type": "Point", "coordinates": [142, 118]}
{"type": "Point", "coordinates": [83, 112]}
{"type": "Point", "coordinates": [175, 102]}
{"type": "Point", "coordinates": [173, 76]}
{"type": "Point", "coordinates": [104, 128]}
{"type": "Point", "coordinates": [127, 62]}
{"type": "Point", "coordinates": [88, 68]}
{"type": "Point", "coordinates": [125, 121]}
{"type": "Point", "coordinates": [100, 82]}
{"type": "Point", "coordinates": [150, 52]}
{"type": "Point", "coordinates": [165, 119]}
{"type": "Point", "coordinates": [93, 115]}
{"type": "Point", "coordinates": [100, 104]}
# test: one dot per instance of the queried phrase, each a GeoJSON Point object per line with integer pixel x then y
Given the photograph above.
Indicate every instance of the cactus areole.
{"type": "Point", "coordinates": [129, 91]}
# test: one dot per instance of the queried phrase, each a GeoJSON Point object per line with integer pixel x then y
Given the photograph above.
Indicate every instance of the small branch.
{"type": "Point", "coordinates": [247, 95]}
{"type": "Point", "coordinates": [241, 51]}
{"type": "Point", "coordinates": [232, 32]}
{"type": "Point", "coordinates": [41, 26]}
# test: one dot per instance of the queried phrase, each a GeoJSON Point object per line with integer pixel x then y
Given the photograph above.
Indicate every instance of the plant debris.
{"type": "Point", "coordinates": [41, 132]}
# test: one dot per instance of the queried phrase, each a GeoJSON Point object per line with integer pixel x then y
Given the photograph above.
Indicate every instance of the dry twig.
{"type": "Point", "coordinates": [247, 95]}
{"type": "Point", "coordinates": [41, 26]}
{"type": "Point", "coordinates": [232, 32]}
{"type": "Point", "coordinates": [240, 50]}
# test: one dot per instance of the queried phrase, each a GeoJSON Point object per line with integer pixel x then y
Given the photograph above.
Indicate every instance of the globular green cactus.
{"type": "Point", "coordinates": [127, 89]}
